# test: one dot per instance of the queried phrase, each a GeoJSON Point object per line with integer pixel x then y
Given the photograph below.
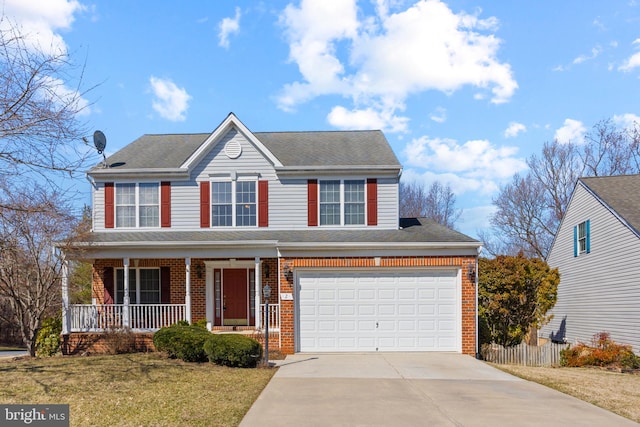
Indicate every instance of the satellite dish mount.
{"type": "Point", "coordinates": [100, 142]}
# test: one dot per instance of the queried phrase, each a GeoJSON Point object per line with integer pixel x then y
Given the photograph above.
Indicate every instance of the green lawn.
{"type": "Point", "coordinates": [8, 348]}
{"type": "Point", "coordinates": [134, 389]}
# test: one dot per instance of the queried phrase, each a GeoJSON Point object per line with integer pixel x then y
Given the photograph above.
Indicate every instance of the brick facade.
{"type": "Point", "coordinates": [286, 338]}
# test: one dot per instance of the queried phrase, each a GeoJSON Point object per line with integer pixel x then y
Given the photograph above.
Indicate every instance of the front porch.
{"type": "Point", "coordinates": [151, 317]}
{"type": "Point", "coordinates": [142, 295]}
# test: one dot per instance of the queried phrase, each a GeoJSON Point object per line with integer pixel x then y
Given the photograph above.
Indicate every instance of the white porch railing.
{"type": "Point", "coordinates": [147, 317]}
{"type": "Point", "coordinates": [98, 317]}
{"type": "Point", "coordinates": [274, 316]}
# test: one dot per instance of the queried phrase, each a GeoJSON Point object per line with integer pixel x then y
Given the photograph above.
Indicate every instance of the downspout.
{"type": "Point", "coordinates": [477, 323]}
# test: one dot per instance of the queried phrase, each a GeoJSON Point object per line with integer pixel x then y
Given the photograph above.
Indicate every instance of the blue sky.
{"type": "Point", "coordinates": [464, 90]}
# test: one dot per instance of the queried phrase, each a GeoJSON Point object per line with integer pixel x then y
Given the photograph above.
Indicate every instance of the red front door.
{"type": "Point", "coordinates": [235, 297]}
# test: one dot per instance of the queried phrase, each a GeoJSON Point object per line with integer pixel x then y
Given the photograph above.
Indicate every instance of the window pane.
{"type": "Point", "coordinates": [329, 202]}
{"type": "Point", "coordinates": [120, 286]}
{"type": "Point", "coordinates": [330, 214]}
{"type": "Point", "coordinates": [582, 236]}
{"type": "Point", "coordinates": [125, 205]}
{"type": "Point", "coordinates": [150, 286]}
{"type": "Point", "coordinates": [354, 202]}
{"type": "Point", "coordinates": [245, 203]}
{"type": "Point", "coordinates": [149, 210]}
{"type": "Point", "coordinates": [221, 208]}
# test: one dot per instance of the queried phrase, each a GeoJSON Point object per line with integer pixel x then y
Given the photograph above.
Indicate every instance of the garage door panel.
{"type": "Point", "coordinates": [381, 311]}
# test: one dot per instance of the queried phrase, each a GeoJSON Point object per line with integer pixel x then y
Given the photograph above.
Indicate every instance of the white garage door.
{"type": "Point", "coordinates": [374, 311]}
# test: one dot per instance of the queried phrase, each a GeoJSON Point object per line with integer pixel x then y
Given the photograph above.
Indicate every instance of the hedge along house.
{"type": "Point", "coordinates": [191, 227]}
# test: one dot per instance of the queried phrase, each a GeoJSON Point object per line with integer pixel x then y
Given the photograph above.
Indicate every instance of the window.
{"type": "Point", "coordinates": [582, 238]}
{"type": "Point", "coordinates": [222, 206]}
{"type": "Point", "coordinates": [233, 204]}
{"type": "Point", "coordinates": [144, 286]}
{"type": "Point", "coordinates": [354, 202]}
{"type": "Point", "coordinates": [329, 202]}
{"type": "Point", "coordinates": [245, 203]}
{"type": "Point", "coordinates": [137, 205]}
{"type": "Point", "coordinates": [342, 202]}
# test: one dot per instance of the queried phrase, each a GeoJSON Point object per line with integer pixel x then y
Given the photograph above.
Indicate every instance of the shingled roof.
{"type": "Point", "coordinates": [292, 149]}
{"type": "Point", "coordinates": [419, 231]}
{"type": "Point", "coordinates": [620, 193]}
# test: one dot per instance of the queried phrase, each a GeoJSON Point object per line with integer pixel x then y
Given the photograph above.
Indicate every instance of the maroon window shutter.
{"type": "Point", "coordinates": [312, 199]}
{"type": "Point", "coordinates": [108, 205]}
{"type": "Point", "coordinates": [263, 203]}
{"type": "Point", "coordinates": [165, 204]}
{"type": "Point", "coordinates": [372, 201]}
{"type": "Point", "coordinates": [108, 285]}
{"type": "Point", "coordinates": [165, 285]}
{"type": "Point", "coordinates": [205, 205]}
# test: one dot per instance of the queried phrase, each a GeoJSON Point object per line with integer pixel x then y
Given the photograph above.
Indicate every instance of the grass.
{"type": "Point", "coordinates": [10, 348]}
{"type": "Point", "coordinates": [134, 389]}
{"type": "Point", "coordinates": [613, 391]}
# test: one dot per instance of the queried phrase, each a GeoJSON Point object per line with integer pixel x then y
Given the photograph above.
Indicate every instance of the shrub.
{"type": "Point", "coordinates": [233, 350]}
{"type": "Point", "coordinates": [603, 352]}
{"type": "Point", "coordinates": [202, 323]}
{"type": "Point", "coordinates": [48, 338]}
{"type": "Point", "coordinates": [120, 340]}
{"type": "Point", "coordinates": [182, 341]}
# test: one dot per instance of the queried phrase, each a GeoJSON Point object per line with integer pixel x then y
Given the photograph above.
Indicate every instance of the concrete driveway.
{"type": "Point", "coordinates": [412, 389]}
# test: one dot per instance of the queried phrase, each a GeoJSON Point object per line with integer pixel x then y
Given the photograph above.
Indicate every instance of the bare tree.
{"type": "Point", "coordinates": [530, 207]}
{"type": "Point", "coordinates": [39, 128]}
{"type": "Point", "coordinates": [31, 223]}
{"type": "Point", "coordinates": [436, 203]}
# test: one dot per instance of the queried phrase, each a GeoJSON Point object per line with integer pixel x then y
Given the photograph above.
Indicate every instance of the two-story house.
{"type": "Point", "coordinates": [196, 226]}
{"type": "Point", "coordinates": [596, 249]}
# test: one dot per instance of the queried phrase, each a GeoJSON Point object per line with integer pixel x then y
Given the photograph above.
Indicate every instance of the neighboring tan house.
{"type": "Point", "coordinates": [597, 250]}
{"type": "Point", "coordinates": [194, 226]}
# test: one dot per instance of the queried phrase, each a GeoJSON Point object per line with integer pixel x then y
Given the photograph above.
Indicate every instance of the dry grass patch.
{"type": "Point", "coordinates": [135, 389]}
{"type": "Point", "coordinates": [613, 391]}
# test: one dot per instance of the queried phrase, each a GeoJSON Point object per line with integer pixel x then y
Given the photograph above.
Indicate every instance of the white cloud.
{"type": "Point", "coordinates": [627, 121]}
{"type": "Point", "coordinates": [39, 21]}
{"type": "Point", "coordinates": [594, 54]}
{"type": "Point", "coordinates": [475, 165]}
{"type": "Point", "coordinates": [514, 129]}
{"type": "Point", "coordinates": [171, 101]}
{"type": "Point", "coordinates": [61, 95]}
{"type": "Point", "coordinates": [368, 118]}
{"type": "Point", "coordinates": [439, 115]}
{"type": "Point", "coordinates": [339, 54]}
{"type": "Point", "coordinates": [633, 61]}
{"type": "Point", "coordinates": [572, 131]}
{"type": "Point", "coordinates": [227, 27]}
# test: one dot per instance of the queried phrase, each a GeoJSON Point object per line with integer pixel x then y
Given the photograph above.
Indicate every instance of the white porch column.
{"type": "Point", "coordinates": [258, 274]}
{"type": "Point", "coordinates": [125, 297]}
{"type": "Point", "coordinates": [187, 290]}
{"type": "Point", "coordinates": [66, 314]}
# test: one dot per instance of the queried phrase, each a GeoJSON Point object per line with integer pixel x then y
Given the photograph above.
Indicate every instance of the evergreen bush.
{"type": "Point", "coordinates": [182, 341]}
{"type": "Point", "coordinates": [233, 350]}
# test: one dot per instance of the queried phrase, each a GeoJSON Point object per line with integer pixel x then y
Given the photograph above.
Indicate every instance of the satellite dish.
{"type": "Point", "coordinates": [100, 141]}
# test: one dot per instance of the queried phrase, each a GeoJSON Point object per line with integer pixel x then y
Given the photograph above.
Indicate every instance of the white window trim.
{"type": "Point", "coordinates": [233, 178]}
{"type": "Point", "coordinates": [342, 202]}
{"type": "Point", "coordinates": [582, 238]}
{"type": "Point", "coordinates": [137, 204]}
{"type": "Point", "coordinates": [136, 271]}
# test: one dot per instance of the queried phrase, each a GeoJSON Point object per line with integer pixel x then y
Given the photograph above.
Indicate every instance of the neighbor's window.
{"type": "Point", "coordinates": [144, 286]}
{"type": "Point", "coordinates": [233, 204]}
{"type": "Point", "coordinates": [342, 202]}
{"type": "Point", "coordinates": [582, 238]}
{"type": "Point", "coordinates": [138, 205]}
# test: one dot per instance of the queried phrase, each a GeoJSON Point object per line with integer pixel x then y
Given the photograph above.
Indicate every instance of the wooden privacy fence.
{"type": "Point", "coordinates": [523, 354]}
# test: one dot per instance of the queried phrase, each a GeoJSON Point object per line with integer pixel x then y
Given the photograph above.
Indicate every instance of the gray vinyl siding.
{"type": "Point", "coordinates": [599, 291]}
{"type": "Point", "coordinates": [287, 197]}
